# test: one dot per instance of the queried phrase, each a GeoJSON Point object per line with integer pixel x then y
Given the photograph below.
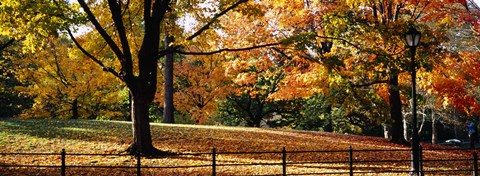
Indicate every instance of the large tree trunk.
{"type": "Point", "coordinates": [396, 111]}
{"type": "Point", "coordinates": [168, 108]}
{"type": "Point", "coordinates": [142, 89]}
{"type": "Point", "coordinates": [142, 138]}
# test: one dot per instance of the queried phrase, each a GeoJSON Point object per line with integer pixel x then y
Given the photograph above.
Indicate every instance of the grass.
{"type": "Point", "coordinates": [109, 137]}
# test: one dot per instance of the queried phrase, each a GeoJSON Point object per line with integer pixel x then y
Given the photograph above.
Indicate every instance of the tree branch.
{"type": "Point", "coordinates": [8, 43]}
{"type": "Point", "coordinates": [159, 10]}
{"type": "Point", "coordinates": [215, 17]}
{"type": "Point", "coordinates": [227, 49]}
{"type": "Point", "coordinates": [421, 11]}
{"type": "Point", "coordinates": [101, 30]}
{"type": "Point", "coordinates": [92, 57]}
{"type": "Point", "coordinates": [281, 53]}
{"type": "Point", "coordinates": [201, 30]}
{"type": "Point", "coordinates": [118, 22]}
{"type": "Point", "coordinates": [370, 83]}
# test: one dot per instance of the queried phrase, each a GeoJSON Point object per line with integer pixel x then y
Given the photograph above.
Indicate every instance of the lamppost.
{"type": "Point", "coordinates": [413, 38]}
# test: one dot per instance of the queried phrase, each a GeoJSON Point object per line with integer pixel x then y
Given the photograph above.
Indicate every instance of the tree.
{"type": "Point", "coordinates": [142, 82]}
{"type": "Point", "coordinates": [24, 25]}
{"type": "Point", "coordinates": [137, 33]}
{"type": "Point", "coordinates": [367, 37]}
{"type": "Point", "coordinates": [252, 102]}
{"type": "Point", "coordinates": [200, 82]}
{"type": "Point", "coordinates": [12, 102]}
{"type": "Point", "coordinates": [63, 84]}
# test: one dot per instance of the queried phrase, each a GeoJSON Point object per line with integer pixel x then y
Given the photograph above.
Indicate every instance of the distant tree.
{"type": "Point", "coordinates": [252, 103]}
{"type": "Point", "coordinates": [12, 102]}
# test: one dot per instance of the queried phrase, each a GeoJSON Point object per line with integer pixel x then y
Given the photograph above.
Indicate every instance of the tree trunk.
{"type": "Point", "coordinates": [405, 129]}
{"type": "Point", "coordinates": [129, 117]}
{"type": "Point", "coordinates": [142, 137]}
{"type": "Point", "coordinates": [386, 132]}
{"type": "Point", "coordinates": [168, 107]}
{"type": "Point", "coordinates": [396, 111]}
{"type": "Point", "coordinates": [434, 128]}
{"type": "Point", "coordinates": [75, 109]}
{"type": "Point", "coordinates": [143, 89]}
{"type": "Point", "coordinates": [329, 126]}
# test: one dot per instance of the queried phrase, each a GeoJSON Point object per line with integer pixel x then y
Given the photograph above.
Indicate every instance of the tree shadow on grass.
{"type": "Point", "coordinates": [84, 130]}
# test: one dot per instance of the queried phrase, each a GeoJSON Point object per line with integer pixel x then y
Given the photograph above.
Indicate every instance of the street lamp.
{"type": "Point", "coordinates": [413, 38]}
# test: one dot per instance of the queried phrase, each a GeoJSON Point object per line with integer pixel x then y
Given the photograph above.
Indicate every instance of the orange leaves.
{"type": "Point", "coordinates": [454, 92]}
{"type": "Point", "coordinates": [456, 83]}
{"type": "Point", "coordinates": [304, 84]}
{"type": "Point", "coordinates": [201, 81]}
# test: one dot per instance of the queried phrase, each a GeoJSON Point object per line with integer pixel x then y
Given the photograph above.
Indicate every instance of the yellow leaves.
{"type": "Point", "coordinates": [246, 78]}
{"type": "Point", "coordinates": [447, 21]}
{"type": "Point", "coordinates": [57, 76]}
{"type": "Point", "coordinates": [31, 21]}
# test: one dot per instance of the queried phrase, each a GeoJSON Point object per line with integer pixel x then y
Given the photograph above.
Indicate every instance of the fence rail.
{"type": "Point", "coordinates": [355, 162]}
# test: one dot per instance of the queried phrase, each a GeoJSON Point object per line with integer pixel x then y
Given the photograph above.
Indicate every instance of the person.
{"type": "Point", "coordinates": [472, 133]}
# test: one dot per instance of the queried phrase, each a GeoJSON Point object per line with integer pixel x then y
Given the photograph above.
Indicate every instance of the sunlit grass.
{"type": "Point", "coordinates": [109, 137]}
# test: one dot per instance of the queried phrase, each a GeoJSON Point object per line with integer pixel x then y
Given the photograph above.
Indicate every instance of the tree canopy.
{"type": "Point", "coordinates": [244, 61]}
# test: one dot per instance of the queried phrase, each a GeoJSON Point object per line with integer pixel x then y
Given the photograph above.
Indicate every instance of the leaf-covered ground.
{"type": "Point", "coordinates": [107, 137]}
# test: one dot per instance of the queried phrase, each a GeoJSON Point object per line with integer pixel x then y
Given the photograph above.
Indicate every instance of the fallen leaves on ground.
{"type": "Point", "coordinates": [308, 153]}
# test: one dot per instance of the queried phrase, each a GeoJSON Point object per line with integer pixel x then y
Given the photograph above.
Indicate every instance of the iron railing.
{"type": "Point", "coordinates": [350, 162]}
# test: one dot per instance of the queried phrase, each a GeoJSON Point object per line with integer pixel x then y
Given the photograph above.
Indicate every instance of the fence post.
{"type": "Point", "coordinates": [420, 159]}
{"type": "Point", "coordinates": [63, 163]}
{"type": "Point", "coordinates": [284, 161]}
{"type": "Point", "coordinates": [139, 165]}
{"type": "Point", "coordinates": [214, 162]}
{"type": "Point", "coordinates": [475, 164]}
{"type": "Point", "coordinates": [350, 160]}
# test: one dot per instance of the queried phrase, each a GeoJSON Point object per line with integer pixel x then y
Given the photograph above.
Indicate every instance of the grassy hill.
{"type": "Point", "coordinates": [109, 137]}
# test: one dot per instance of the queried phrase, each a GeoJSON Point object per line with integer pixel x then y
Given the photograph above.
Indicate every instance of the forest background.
{"type": "Point", "coordinates": [336, 65]}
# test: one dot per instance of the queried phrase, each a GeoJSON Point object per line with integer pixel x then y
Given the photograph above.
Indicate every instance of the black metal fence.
{"type": "Point", "coordinates": [349, 162]}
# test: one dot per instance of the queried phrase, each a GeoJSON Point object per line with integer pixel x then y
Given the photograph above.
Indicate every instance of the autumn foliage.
{"type": "Point", "coordinates": [198, 59]}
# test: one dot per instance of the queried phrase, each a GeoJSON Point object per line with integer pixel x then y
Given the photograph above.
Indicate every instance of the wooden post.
{"type": "Point", "coordinates": [64, 169]}
{"type": "Point", "coordinates": [475, 164]}
{"type": "Point", "coordinates": [420, 159]}
{"type": "Point", "coordinates": [284, 161]}
{"type": "Point", "coordinates": [139, 165]}
{"type": "Point", "coordinates": [214, 162]}
{"type": "Point", "coordinates": [350, 160]}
